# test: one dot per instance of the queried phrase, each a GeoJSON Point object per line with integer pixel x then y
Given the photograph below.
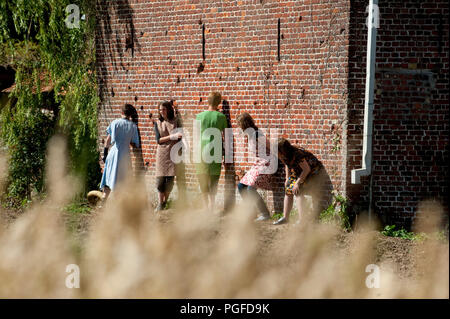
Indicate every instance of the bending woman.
{"type": "Point", "coordinates": [121, 134]}
{"type": "Point", "coordinates": [259, 175]}
{"type": "Point", "coordinates": [304, 174]}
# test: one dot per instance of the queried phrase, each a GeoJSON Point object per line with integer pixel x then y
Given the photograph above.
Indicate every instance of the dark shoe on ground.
{"type": "Point", "coordinates": [280, 221]}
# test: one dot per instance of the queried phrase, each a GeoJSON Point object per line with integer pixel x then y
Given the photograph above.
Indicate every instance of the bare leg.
{"type": "Point", "coordinates": [300, 208]}
{"type": "Point", "coordinates": [288, 202]}
{"type": "Point", "coordinates": [161, 197]}
{"type": "Point", "coordinates": [106, 192]}
{"type": "Point", "coordinates": [213, 181]}
{"type": "Point", "coordinates": [205, 197]}
{"type": "Point", "coordinates": [204, 188]}
{"type": "Point", "coordinates": [166, 196]}
{"type": "Point", "coordinates": [212, 201]}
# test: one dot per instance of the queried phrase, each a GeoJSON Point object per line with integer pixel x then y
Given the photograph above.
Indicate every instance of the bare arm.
{"type": "Point", "coordinates": [172, 137]}
{"type": "Point", "coordinates": [108, 141]}
{"type": "Point", "coordinates": [286, 173]}
{"type": "Point", "coordinates": [306, 169]}
{"type": "Point", "coordinates": [165, 139]}
{"type": "Point", "coordinates": [105, 149]}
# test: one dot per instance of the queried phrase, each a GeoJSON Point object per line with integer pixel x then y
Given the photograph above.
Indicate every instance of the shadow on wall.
{"type": "Point", "coordinates": [137, 152]}
{"type": "Point", "coordinates": [110, 42]}
{"type": "Point", "coordinates": [230, 170]}
{"type": "Point", "coordinates": [180, 168]}
{"type": "Point", "coordinates": [278, 193]}
{"type": "Point", "coordinates": [327, 189]}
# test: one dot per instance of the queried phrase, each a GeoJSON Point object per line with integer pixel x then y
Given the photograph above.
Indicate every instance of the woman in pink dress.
{"type": "Point", "coordinates": [260, 174]}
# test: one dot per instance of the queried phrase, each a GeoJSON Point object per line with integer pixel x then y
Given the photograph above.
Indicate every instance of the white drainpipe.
{"type": "Point", "coordinates": [372, 24]}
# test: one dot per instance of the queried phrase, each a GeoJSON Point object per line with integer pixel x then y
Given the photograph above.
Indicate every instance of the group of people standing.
{"type": "Point", "coordinates": [304, 172]}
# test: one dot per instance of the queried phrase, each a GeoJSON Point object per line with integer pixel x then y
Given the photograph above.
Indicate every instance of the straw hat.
{"type": "Point", "coordinates": [94, 197]}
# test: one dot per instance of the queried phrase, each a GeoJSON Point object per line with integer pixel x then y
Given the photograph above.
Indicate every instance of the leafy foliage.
{"type": "Point", "coordinates": [389, 230]}
{"type": "Point", "coordinates": [27, 151]}
{"type": "Point", "coordinates": [36, 42]}
{"type": "Point", "coordinates": [277, 216]}
{"type": "Point", "coordinates": [337, 212]}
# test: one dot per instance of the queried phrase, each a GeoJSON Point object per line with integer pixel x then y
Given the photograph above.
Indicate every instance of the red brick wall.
{"type": "Point", "coordinates": [411, 112]}
{"type": "Point", "coordinates": [149, 51]}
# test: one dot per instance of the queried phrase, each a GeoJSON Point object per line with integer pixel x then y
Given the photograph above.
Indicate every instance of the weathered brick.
{"type": "Point", "coordinates": [317, 84]}
{"type": "Point", "coordinates": [401, 102]}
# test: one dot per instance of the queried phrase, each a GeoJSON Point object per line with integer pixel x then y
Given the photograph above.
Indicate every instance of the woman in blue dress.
{"type": "Point", "coordinates": [121, 133]}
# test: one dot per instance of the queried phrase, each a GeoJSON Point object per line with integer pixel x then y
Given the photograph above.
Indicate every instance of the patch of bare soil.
{"type": "Point", "coordinates": [401, 254]}
{"type": "Point", "coordinates": [7, 216]}
{"type": "Point", "coordinates": [79, 224]}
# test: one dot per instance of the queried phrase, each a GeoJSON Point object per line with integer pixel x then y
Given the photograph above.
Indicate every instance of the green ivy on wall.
{"type": "Point", "coordinates": [46, 53]}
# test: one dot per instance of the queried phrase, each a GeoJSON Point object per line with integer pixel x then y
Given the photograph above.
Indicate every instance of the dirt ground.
{"type": "Point", "coordinates": [402, 253]}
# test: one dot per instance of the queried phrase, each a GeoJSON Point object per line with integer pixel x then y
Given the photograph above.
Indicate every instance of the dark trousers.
{"type": "Point", "coordinates": [250, 193]}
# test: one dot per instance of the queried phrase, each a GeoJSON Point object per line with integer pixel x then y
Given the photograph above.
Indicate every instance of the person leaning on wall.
{"type": "Point", "coordinates": [116, 155]}
{"type": "Point", "coordinates": [208, 173]}
{"type": "Point", "coordinates": [166, 136]}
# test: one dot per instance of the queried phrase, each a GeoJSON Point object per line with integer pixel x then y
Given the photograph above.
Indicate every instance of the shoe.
{"type": "Point", "coordinates": [159, 208]}
{"type": "Point", "coordinates": [280, 221]}
{"type": "Point", "coordinates": [261, 218]}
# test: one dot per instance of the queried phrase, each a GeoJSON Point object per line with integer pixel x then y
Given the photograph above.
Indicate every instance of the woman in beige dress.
{"type": "Point", "coordinates": [166, 136]}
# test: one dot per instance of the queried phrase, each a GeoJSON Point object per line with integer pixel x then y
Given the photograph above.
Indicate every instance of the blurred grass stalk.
{"type": "Point", "coordinates": [130, 253]}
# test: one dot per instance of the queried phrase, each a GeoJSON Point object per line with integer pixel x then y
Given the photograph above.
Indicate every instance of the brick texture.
{"type": "Point", "coordinates": [148, 51]}
{"type": "Point", "coordinates": [312, 90]}
{"type": "Point", "coordinates": [411, 107]}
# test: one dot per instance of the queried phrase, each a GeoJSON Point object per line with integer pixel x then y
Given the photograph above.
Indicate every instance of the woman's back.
{"type": "Point", "coordinates": [123, 132]}
{"type": "Point", "coordinates": [299, 154]}
{"type": "Point", "coordinates": [118, 162]}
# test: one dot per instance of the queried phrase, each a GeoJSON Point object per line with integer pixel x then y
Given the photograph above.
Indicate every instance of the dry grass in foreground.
{"type": "Point", "coordinates": [130, 252]}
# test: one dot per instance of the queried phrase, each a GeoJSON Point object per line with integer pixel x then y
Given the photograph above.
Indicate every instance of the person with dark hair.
{"type": "Point", "coordinates": [258, 176]}
{"type": "Point", "coordinates": [121, 134]}
{"type": "Point", "coordinates": [129, 112]}
{"type": "Point", "coordinates": [166, 136]}
{"type": "Point", "coordinates": [304, 174]}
